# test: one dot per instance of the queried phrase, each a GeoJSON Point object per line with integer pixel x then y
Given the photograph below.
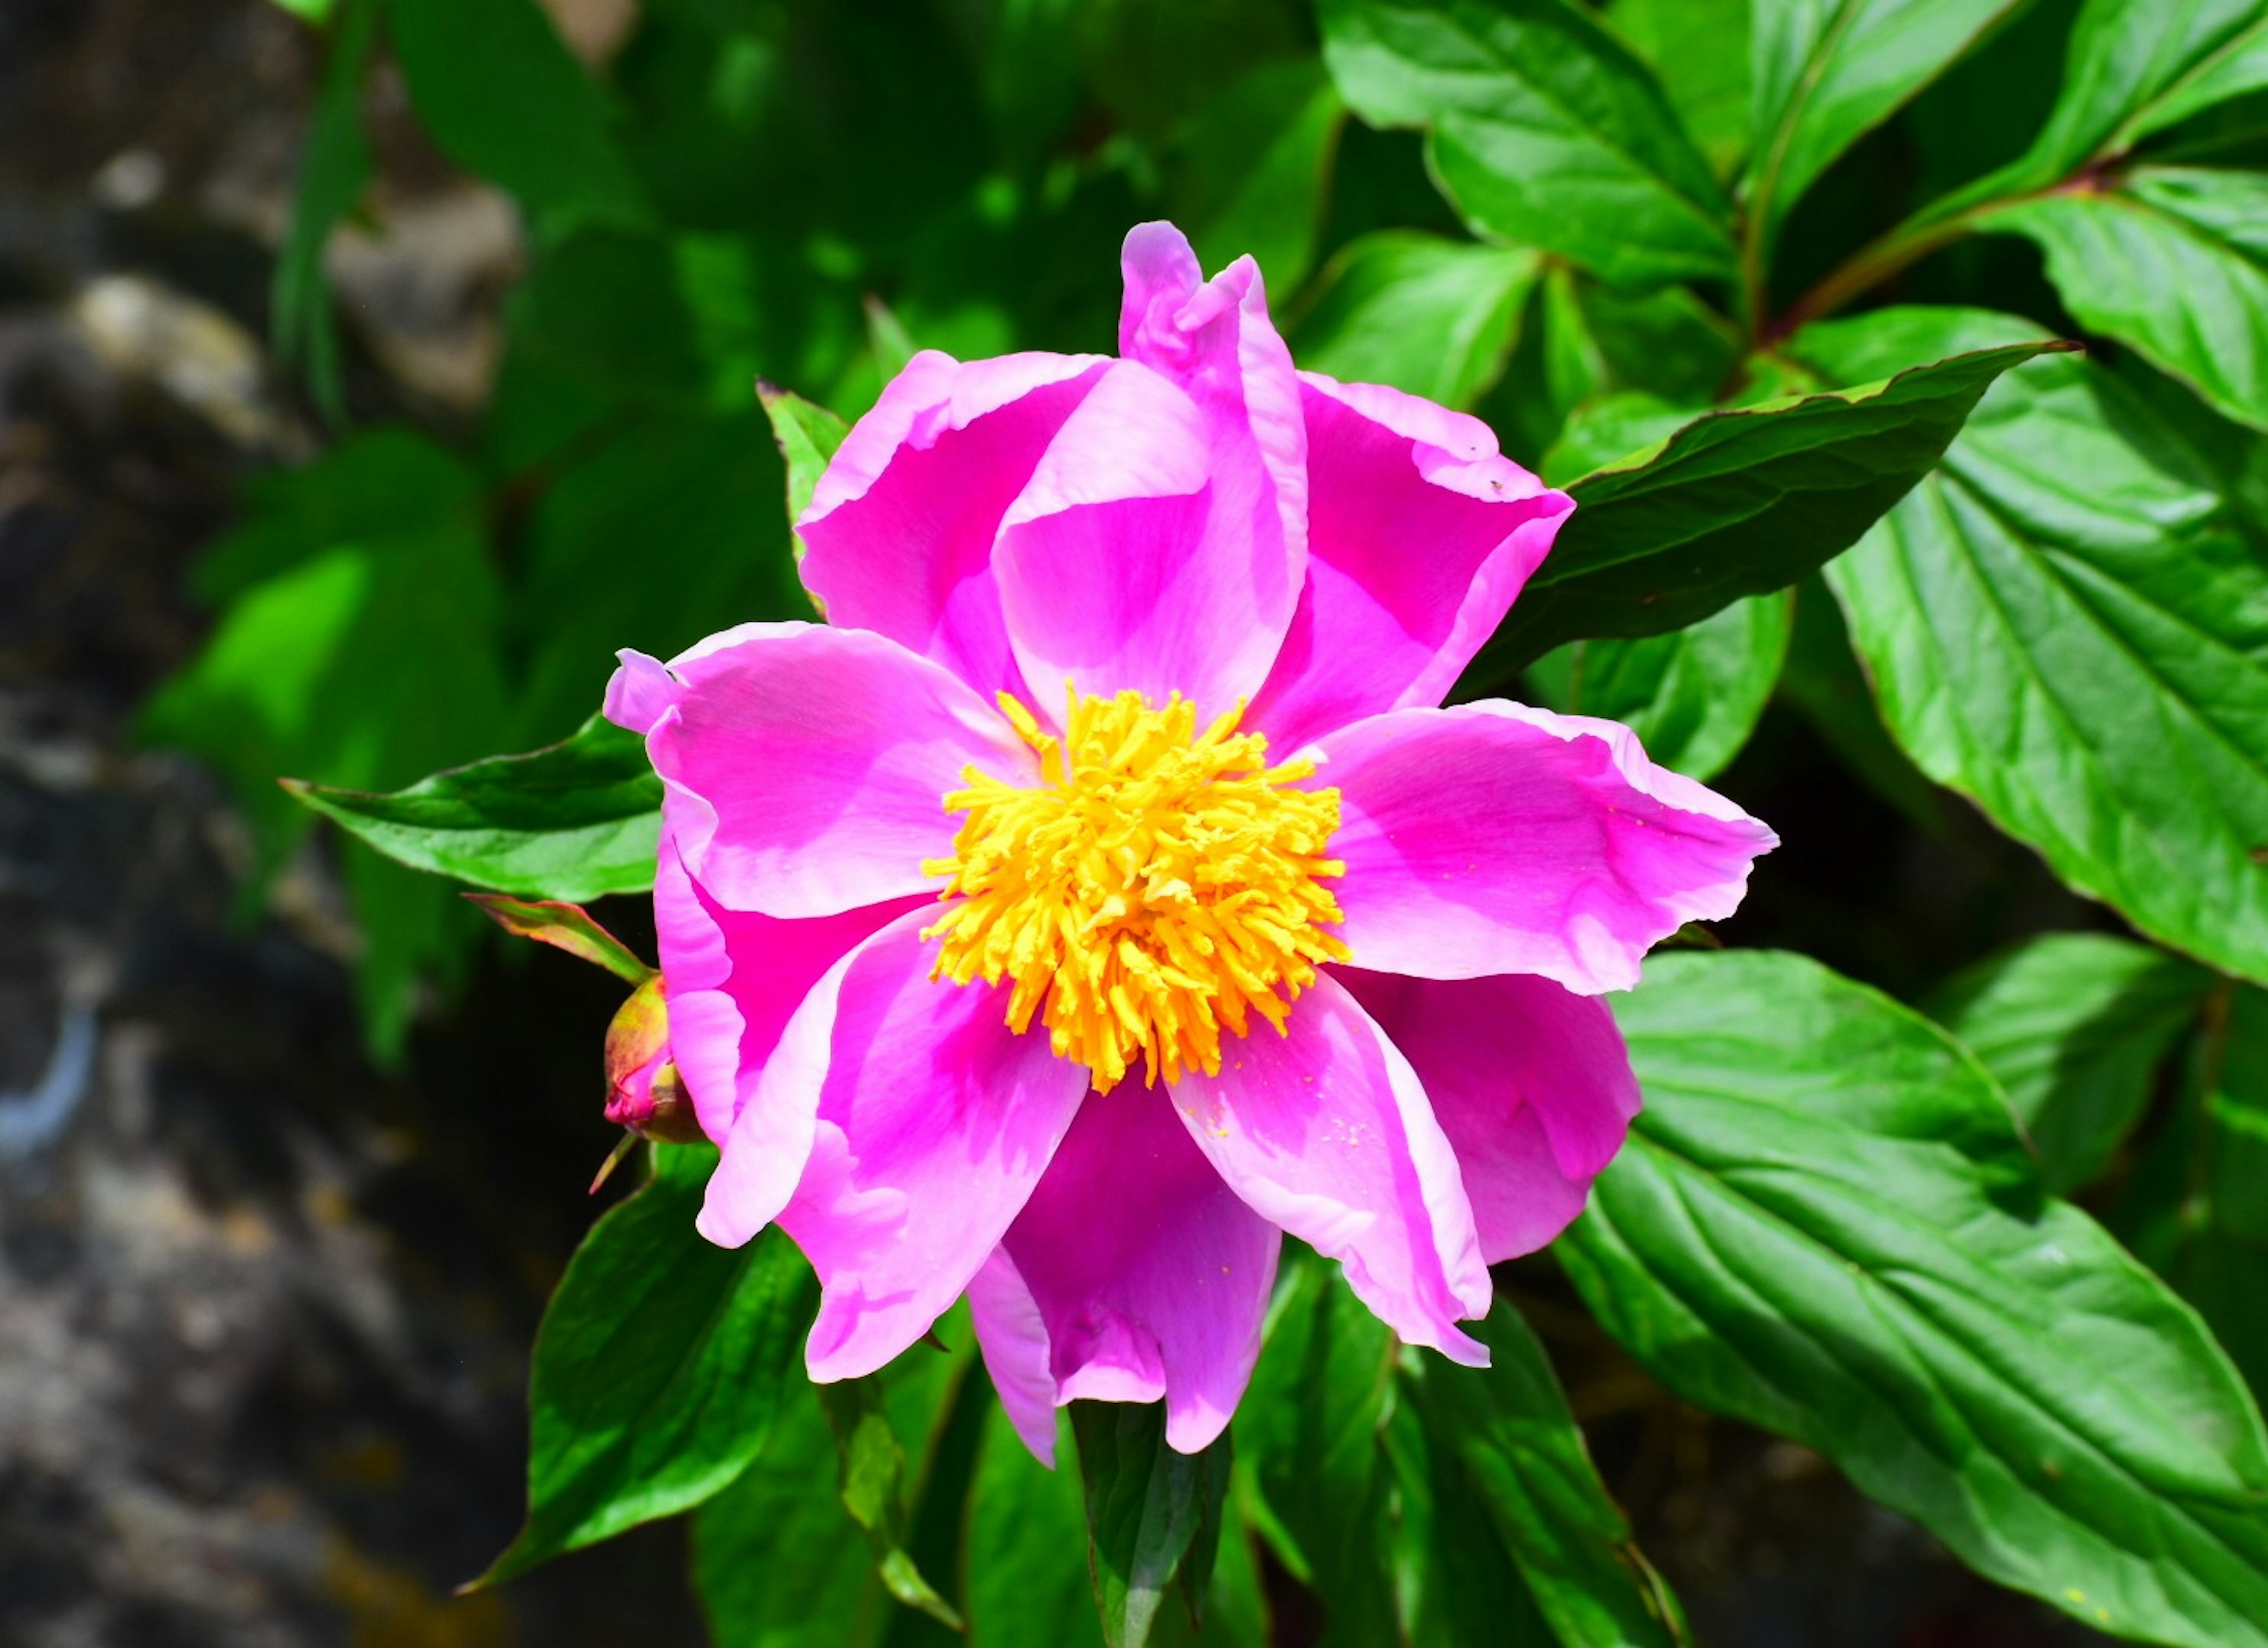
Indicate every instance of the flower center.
{"type": "Point", "coordinates": [1157, 886]}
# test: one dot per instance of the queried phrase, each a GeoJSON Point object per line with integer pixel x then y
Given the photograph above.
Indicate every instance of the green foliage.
{"type": "Point", "coordinates": [659, 1369]}
{"type": "Point", "coordinates": [1652, 244]}
{"type": "Point", "coordinates": [1826, 1224]}
{"type": "Point", "coordinates": [575, 821]}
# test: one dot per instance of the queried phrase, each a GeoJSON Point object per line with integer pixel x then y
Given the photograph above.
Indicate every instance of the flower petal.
{"type": "Point", "coordinates": [1326, 1132]}
{"type": "Point", "coordinates": [1418, 537]}
{"type": "Point", "coordinates": [734, 978]}
{"type": "Point", "coordinates": [806, 767]}
{"type": "Point", "coordinates": [1531, 1083]}
{"type": "Point", "coordinates": [1162, 541]}
{"type": "Point", "coordinates": [1493, 838]}
{"type": "Point", "coordinates": [933, 1122]}
{"type": "Point", "coordinates": [899, 534]}
{"type": "Point", "coordinates": [1144, 1274]}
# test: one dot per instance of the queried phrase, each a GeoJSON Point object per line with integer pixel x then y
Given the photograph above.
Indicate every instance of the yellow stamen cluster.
{"type": "Point", "coordinates": [1157, 886]}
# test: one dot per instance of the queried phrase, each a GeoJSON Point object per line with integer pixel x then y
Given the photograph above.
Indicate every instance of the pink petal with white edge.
{"type": "Point", "coordinates": [899, 530]}
{"type": "Point", "coordinates": [806, 767]}
{"type": "Point", "coordinates": [1146, 1277]}
{"type": "Point", "coordinates": [933, 1122]}
{"type": "Point", "coordinates": [734, 978]}
{"type": "Point", "coordinates": [1531, 1083]}
{"type": "Point", "coordinates": [1493, 838]}
{"type": "Point", "coordinates": [1420, 535]}
{"type": "Point", "coordinates": [1162, 541]}
{"type": "Point", "coordinates": [1326, 1132]}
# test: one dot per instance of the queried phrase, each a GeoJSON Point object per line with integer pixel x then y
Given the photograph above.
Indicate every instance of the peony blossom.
{"type": "Point", "coordinates": [1100, 892]}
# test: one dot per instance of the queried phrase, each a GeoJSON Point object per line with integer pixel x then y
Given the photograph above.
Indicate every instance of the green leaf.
{"type": "Point", "coordinates": [1027, 1525]}
{"type": "Point", "coordinates": [808, 437]}
{"type": "Point", "coordinates": [1307, 1448]}
{"type": "Point", "coordinates": [2073, 1027]}
{"type": "Point", "coordinates": [304, 672]}
{"type": "Point", "coordinates": [1543, 130]}
{"type": "Point", "coordinates": [1455, 1583]}
{"type": "Point", "coordinates": [1693, 697]}
{"type": "Point", "coordinates": [2069, 624]}
{"type": "Point", "coordinates": [335, 168]}
{"type": "Point", "coordinates": [1154, 1515]}
{"type": "Point", "coordinates": [575, 821]}
{"type": "Point", "coordinates": [2138, 66]}
{"type": "Point", "coordinates": [1509, 1426]}
{"type": "Point", "coordinates": [1829, 71]}
{"type": "Point", "coordinates": [1246, 173]}
{"type": "Point", "coordinates": [1742, 502]}
{"type": "Point", "coordinates": [872, 1464]}
{"type": "Point", "coordinates": [2172, 261]}
{"type": "Point", "coordinates": [1825, 1224]}
{"type": "Point", "coordinates": [567, 927]}
{"type": "Point", "coordinates": [502, 98]}
{"type": "Point", "coordinates": [1434, 317]}
{"type": "Point", "coordinates": [1700, 50]}
{"type": "Point", "coordinates": [659, 1368]}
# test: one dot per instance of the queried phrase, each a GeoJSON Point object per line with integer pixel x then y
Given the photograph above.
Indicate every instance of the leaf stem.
{"type": "Point", "coordinates": [1881, 260]}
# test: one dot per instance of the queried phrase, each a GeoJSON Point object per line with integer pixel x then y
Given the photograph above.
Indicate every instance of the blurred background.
{"type": "Point", "coordinates": [350, 419]}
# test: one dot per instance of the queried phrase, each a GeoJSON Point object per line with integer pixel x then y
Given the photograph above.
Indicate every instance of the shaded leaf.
{"type": "Point", "coordinates": [1825, 1224]}
{"type": "Point", "coordinates": [659, 1369]}
{"type": "Point", "coordinates": [502, 98]}
{"type": "Point", "coordinates": [872, 1469]}
{"type": "Point", "coordinates": [1544, 130]}
{"type": "Point", "coordinates": [1742, 502]}
{"type": "Point", "coordinates": [575, 821]}
{"type": "Point", "coordinates": [2073, 1027]}
{"type": "Point", "coordinates": [1693, 697]}
{"type": "Point", "coordinates": [1025, 1526]}
{"type": "Point", "coordinates": [2067, 623]}
{"type": "Point", "coordinates": [1154, 1515]}
{"type": "Point", "coordinates": [335, 168]}
{"type": "Point", "coordinates": [1509, 1426]}
{"type": "Point", "coordinates": [1245, 175]}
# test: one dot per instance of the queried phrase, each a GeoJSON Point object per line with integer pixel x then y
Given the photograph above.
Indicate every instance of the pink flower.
{"type": "Point", "coordinates": [1099, 894]}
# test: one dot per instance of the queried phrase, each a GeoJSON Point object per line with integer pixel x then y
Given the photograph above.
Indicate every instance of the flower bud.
{"type": "Point", "coordinates": [644, 1090]}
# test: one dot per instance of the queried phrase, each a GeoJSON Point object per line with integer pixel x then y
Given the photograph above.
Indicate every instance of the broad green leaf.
{"type": "Point", "coordinates": [2172, 261]}
{"type": "Point", "coordinates": [502, 98]}
{"type": "Point", "coordinates": [2067, 623]}
{"type": "Point", "coordinates": [1509, 1426]}
{"type": "Point", "coordinates": [568, 927]}
{"type": "Point", "coordinates": [335, 168]}
{"type": "Point", "coordinates": [1742, 502]}
{"type": "Point", "coordinates": [777, 1560]}
{"type": "Point", "coordinates": [1603, 431]}
{"type": "Point", "coordinates": [1699, 51]}
{"type": "Point", "coordinates": [575, 821]}
{"type": "Point", "coordinates": [2073, 1027]}
{"type": "Point", "coordinates": [1692, 696]}
{"type": "Point", "coordinates": [1544, 130]}
{"type": "Point", "coordinates": [1829, 71]}
{"type": "Point", "coordinates": [305, 673]}
{"type": "Point", "coordinates": [659, 1369]}
{"type": "Point", "coordinates": [1434, 317]}
{"type": "Point", "coordinates": [872, 1464]}
{"type": "Point", "coordinates": [1454, 1584]}
{"type": "Point", "coordinates": [1246, 173]}
{"type": "Point", "coordinates": [1826, 1224]}
{"type": "Point", "coordinates": [808, 437]}
{"type": "Point", "coordinates": [1154, 1515]}
{"type": "Point", "coordinates": [1307, 1449]}
{"type": "Point", "coordinates": [1028, 1587]}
